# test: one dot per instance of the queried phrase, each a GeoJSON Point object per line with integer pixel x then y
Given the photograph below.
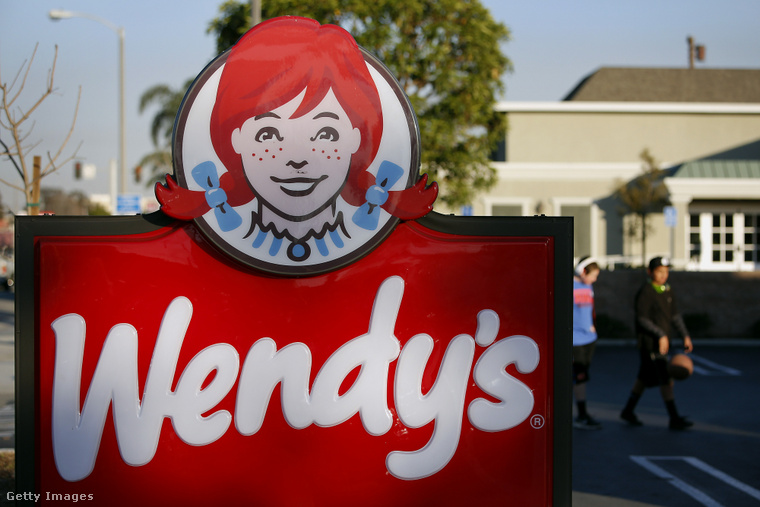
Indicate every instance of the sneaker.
{"type": "Point", "coordinates": [679, 423]}
{"type": "Point", "coordinates": [631, 418]}
{"type": "Point", "coordinates": [587, 423]}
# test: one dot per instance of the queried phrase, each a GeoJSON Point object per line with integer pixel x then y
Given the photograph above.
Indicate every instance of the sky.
{"type": "Point", "coordinates": [554, 44]}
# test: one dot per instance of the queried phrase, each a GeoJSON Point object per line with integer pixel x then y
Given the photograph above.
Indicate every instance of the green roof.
{"type": "Point", "coordinates": [707, 168]}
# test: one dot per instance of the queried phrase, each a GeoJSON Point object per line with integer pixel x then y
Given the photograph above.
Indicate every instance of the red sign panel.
{"type": "Point", "coordinates": [425, 373]}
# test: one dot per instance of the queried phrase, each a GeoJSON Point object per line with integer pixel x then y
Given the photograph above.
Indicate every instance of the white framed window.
{"type": "Point", "coordinates": [508, 206]}
{"type": "Point", "coordinates": [585, 215]}
{"type": "Point", "coordinates": [725, 239]}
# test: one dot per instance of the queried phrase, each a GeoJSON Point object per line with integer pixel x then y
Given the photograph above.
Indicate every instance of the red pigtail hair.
{"type": "Point", "coordinates": [413, 202]}
{"type": "Point", "coordinates": [186, 204]}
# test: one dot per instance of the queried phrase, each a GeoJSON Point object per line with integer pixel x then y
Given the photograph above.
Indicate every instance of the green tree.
{"type": "Point", "coordinates": [168, 101]}
{"type": "Point", "coordinates": [642, 196]}
{"type": "Point", "coordinates": [446, 55]}
{"type": "Point", "coordinates": [97, 209]}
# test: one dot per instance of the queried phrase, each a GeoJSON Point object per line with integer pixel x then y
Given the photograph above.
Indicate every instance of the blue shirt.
{"type": "Point", "coordinates": [583, 314]}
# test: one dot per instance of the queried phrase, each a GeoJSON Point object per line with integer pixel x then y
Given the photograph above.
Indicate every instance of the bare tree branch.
{"type": "Point", "coordinates": [23, 81]}
{"type": "Point", "coordinates": [45, 95]}
{"type": "Point", "coordinates": [14, 122]}
{"type": "Point", "coordinates": [13, 160]}
{"type": "Point", "coordinates": [11, 185]}
{"type": "Point", "coordinates": [50, 167]}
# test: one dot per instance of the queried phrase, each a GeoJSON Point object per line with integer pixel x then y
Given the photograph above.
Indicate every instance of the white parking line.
{"type": "Point", "coordinates": [696, 494]}
{"type": "Point", "coordinates": [701, 465]}
{"type": "Point", "coordinates": [712, 368]}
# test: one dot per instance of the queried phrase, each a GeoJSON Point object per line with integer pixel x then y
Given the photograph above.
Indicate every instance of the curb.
{"type": "Point", "coordinates": [702, 342]}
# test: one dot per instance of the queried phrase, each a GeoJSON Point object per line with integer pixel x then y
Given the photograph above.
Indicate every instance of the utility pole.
{"type": "Point", "coordinates": [695, 52]}
{"type": "Point", "coordinates": [57, 14]}
{"type": "Point", "coordinates": [255, 12]}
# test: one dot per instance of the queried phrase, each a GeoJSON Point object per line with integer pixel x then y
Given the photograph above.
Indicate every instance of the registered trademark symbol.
{"type": "Point", "coordinates": [537, 421]}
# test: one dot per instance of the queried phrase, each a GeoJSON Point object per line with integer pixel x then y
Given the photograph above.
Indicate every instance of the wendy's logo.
{"type": "Point", "coordinates": [296, 151]}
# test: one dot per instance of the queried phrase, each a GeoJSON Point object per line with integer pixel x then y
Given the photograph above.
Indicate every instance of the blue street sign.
{"type": "Point", "coordinates": [671, 216]}
{"type": "Point", "coordinates": [128, 204]}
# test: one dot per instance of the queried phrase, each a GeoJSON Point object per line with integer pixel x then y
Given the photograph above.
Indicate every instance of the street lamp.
{"type": "Point", "coordinates": [57, 14]}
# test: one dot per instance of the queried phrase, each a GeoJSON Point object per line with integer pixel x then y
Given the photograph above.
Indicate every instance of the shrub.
{"type": "Point", "coordinates": [7, 472]}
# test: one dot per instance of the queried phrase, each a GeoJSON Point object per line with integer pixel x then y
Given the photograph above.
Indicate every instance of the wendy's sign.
{"type": "Point", "coordinates": [294, 327]}
{"type": "Point", "coordinates": [296, 151]}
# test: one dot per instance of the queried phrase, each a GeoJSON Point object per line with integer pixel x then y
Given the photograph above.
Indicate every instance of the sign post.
{"type": "Point", "coordinates": [671, 220]}
{"type": "Point", "coordinates": [295, 326]}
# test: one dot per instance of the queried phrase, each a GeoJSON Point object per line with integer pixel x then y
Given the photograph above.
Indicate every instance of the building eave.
{"type": "Point", "coordinates": [689, 189]}
{"type": "Point", "coordinates": [627, 107]}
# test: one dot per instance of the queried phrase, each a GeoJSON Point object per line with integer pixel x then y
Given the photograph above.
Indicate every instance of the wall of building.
{"type": "Point", "coordinates": [575, 154]}
{"type": "Point", "coordinates": [620, 137]}
{"type": "Point", "coordinates": [540, 192]}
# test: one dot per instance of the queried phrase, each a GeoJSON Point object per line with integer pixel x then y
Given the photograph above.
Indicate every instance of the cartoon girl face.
{"type": "Point", "coordinates": [296, 151]}
{"type": "Point", "coordinates": [297, 166]}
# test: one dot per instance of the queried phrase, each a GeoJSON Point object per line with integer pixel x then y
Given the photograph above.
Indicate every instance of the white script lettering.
{"type": "Point", "coordinates": [76, 435]}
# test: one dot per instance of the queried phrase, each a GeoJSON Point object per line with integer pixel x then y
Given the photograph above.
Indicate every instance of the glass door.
{"type": "Point", "coordinates": [725, 241]}
{"type": "Point", "coordinates": [750, 244]}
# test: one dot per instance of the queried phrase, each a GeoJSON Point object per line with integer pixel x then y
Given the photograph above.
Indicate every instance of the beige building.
{"type": "Point", "coordinates": [701, 125]}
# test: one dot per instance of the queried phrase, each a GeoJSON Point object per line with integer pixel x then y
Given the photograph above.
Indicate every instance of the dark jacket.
{"type": "Point", "coordinates": [657, 315]}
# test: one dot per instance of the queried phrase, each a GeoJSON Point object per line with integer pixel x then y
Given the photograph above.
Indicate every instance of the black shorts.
{"type": "Point", "coordinates": [582, 355]}
{"type": "Point", "coordinates": [653, 366]}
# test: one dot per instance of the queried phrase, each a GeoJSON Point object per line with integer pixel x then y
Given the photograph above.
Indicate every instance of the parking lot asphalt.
{"type": "Point", "coordinates": [712, 464]}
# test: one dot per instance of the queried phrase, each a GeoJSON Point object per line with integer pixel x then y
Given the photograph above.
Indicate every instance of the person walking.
{"type": "Point", "coordinates": [584, 337]}
{"type": "Point", "coordinates": [657, 321]}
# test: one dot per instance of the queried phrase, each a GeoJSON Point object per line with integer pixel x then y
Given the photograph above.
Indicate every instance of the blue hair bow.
{"type": "Point", "coordinates": [368, 214]}
{"type": "Point", "coordinates": [205, 175]}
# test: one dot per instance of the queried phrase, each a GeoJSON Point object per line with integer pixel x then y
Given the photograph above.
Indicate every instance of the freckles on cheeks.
{"type": "Point", "coordinates": [329, 157]}
{"type": "Point", "coordinates": [265, 151]}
